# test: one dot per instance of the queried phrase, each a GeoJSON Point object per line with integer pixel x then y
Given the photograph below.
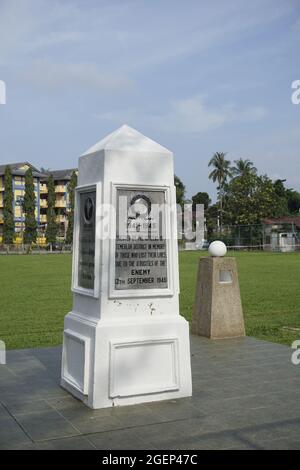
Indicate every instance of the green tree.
{"type": "Point", "coordinates": [250, 199]}
{"type": "Point", "coordinates": [201, 198]}
{"type": "Point", "coordinates": [243, 168]}
{"type": "Point", "coordinates": [280, 189]}
{"type": "Point", "coordinates": [220, 174]}
{"type": "Point", "coordinates": [8, 209]}
{"type": "Point", "coordinates": [293, 201]}
{"type": "Point", "coordinates": [211, 217]}
{"type": "Point", "coordinates": [289, 199]}
{"type": "Point", "coordinates": [52, 227]}
{"type": "Point", "coordinates": [180, 190]}
{"type": "Point", "coordinates": [282, 198]}
{"type": "Point", "coordinates": [30, 233]}
{"type": "Point", "coordinates": [71, 190]}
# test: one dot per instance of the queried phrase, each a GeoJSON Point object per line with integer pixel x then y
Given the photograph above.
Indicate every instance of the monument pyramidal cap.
{"type": "Point", "coordinates": [127, 138]}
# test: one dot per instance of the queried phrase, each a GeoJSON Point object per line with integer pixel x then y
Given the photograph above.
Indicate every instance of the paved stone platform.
{"type": "Point", "coordinates": [246, 395]}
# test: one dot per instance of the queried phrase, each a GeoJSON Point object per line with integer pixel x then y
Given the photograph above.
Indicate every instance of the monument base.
{"type": "Point", "coordinates": [138, 360]}
{"type": "Point", "coordinates": [217, 312]}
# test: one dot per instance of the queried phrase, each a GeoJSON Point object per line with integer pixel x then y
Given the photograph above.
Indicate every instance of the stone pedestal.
{"type": "Point", "coordinates": [124, 340]}
{"type": "Point", "coordinates": [217, 311]}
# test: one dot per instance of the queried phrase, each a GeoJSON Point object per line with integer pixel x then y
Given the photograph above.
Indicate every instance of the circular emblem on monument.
{"type": "Point", "coordinates": [88, 210]}
{"type": "Point", "coordinates": [140, 206]}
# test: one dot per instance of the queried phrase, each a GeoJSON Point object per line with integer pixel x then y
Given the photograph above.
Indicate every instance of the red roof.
{"type": "Point", "coordinates": [288, 219]}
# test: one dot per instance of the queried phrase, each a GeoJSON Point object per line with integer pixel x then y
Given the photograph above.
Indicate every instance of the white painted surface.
{"type": "Point", "coordinates": [217, 248]}
{"type": "Point", "coordinates": [2, 353]}
{"type": "Point", "coordinates": [126, 138]}
{"type": "Point", "coordinates": [76, 359]}
{"type": "Point", "coordinates": [146, 374]}
{"type": "Point", "coordinates": [138, 344]}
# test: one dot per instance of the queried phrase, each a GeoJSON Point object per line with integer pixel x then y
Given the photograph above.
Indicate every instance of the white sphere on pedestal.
{"type": "Point", "coordinates": [217, 248]}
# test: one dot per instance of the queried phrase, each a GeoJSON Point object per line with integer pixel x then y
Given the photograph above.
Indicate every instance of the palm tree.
{"type": "Point", "coordinates": [243, 168]}
{"type": "Point", "coordinates": [219, 174]}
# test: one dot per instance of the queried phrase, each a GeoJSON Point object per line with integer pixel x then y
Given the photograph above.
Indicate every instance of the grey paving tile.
{"type": "Point", "coordinates": [13, 355]}
{"type": "Point", "coordinates": [11, 433]}
{"type": "Point", "coordinates": [208, 424]}
{"type": "Point", "coordinates": [281, 444]}
{"type": "Point", "coordinates": [71, 408]}
{"type": "Point", "coordinates": [160, 435]}
{"type": "Point", "coordinates": [21, 446]}
{"type": "Point", "coordinates": [25, 364]}
{"type": "Point", "coordinates": [49, 389]}
{"type": "Point", "coordinates": [251, 418]}
{"type": "Point", "coordinates": [46, 425]}
{"type": "Point", "coordinates": [21, 392]}
{"type": "Point", "coordinates": [14, 396]}
{"type": "Point", "coordinates": [245, 395]}
{"type": "Point", "coordinates": [219, 441]}
{"type": "Point", "coordinates": [200, 433]}
{"type": "Point", "coordinates": [243, 404]}
{"type": "Point", "coordinates": [66, 402]}
{"type": "Point", "coordinates": [125, 439]}
{"type": "Point", "coordinates": [3, 411]}
{"type": "Point", "coordinates": [42, 352]}
{"type": "Point", "coordinates": [94, 424]}
{"type": "Point", "coordinates": [287, 429]}
{"type": "Point", "coordinates": [139, 415]}
{"type": "Point", "coordinates": [6, 374]}
{"type": "Point", "coordinates": [25, 407]}
{"type": "Point", "coordinates": [108, 418]}
{"type": "Point", "coordinates": [86, 420]}
{"type": "Point", "coordinates": [69, 443]}
{"type": "Point", "coordinates": [173, 410]}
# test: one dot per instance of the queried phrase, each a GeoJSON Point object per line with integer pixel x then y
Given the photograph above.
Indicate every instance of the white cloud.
{"type": "Point", "coordinates": [194, 115]}
{"type": "Point", "coordinates": [30, 25]}
{"type": "Point", "coordinates": [211, 26]}
{"type": "Point", "coordinates": [191, 116]}
{"type": "Point", "coordinates": [136, 34]}
{"type": "Point", "coordinates": [60, 76]}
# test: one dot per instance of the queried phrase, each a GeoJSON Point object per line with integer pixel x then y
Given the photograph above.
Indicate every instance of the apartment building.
{"type": "Point", "coordinates": [62, 204]}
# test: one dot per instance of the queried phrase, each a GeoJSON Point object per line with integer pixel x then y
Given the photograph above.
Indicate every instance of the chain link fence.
{"type": "Point", "coordinates": [256, 237]}
{"type": "Point", "coordinates": [21, 249]}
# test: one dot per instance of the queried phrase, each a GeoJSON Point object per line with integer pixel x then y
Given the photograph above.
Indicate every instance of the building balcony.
{"type": "Point", "coordinates": [60, 188]}
{"type": "Point", "coordinates": [43, 203]}
{"type": "Point", "coordinates": [61, 219]}
{"type": "Point", "coordinates": [61, 204]}
{"type": "Point", "coordinates": [43, 189]}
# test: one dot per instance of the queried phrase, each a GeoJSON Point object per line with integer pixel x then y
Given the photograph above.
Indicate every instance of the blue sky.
{"type": "Point", "coordinates": [197, 76]}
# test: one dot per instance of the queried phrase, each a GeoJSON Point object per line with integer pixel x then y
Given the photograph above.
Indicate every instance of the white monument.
{"type": "Point", "coordinates": [124, 340]}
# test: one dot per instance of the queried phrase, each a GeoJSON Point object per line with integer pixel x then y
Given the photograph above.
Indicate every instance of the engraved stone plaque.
{"type": "Point", "coordinates": [141, 248]}
{"type": "Point", "coordinates": [86, 258]}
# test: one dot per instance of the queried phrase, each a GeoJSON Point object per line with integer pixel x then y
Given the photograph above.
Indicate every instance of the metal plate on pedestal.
{"type": "Point", "coordinates": [141, 248]}
{"type": "Point", "coordinates": [86, 257]}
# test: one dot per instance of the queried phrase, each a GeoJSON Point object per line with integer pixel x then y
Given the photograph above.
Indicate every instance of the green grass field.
{"type": "Point", "coordinates": [35, 296]}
